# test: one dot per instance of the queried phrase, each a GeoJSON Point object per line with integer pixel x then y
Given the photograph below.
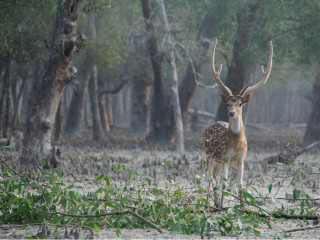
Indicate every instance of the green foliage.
{"type": "Point", "coordinates": [27, 201]}
{"type": "Point", "coordinates": [185, 210]}
{"type": "Point", "coordinates": [23, 26]}
{"type": "Point", "coordinates": [96, 6]}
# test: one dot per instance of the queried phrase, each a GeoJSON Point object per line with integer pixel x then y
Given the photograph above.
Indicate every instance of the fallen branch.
{"type": "Point", "coordinates": [103, 215]}
{"type": "Point", "coordinates": [290, 199]}
{"type": "Point", "coordinates": [277, 214]}
{"type": "Point", "coordinates": [284, 215]}
{"type": "Point", "coordinates": [301, 229]}
{"type": "Point", "coordinates": [288, 157]}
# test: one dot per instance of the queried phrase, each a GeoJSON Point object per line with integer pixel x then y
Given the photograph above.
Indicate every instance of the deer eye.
{"type": "Point", "coordinates": [240, 104]}
{"type": "Point", "coordinates": [227, 104]}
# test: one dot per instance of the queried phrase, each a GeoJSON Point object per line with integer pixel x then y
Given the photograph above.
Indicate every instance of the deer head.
{"type": "Point", "coordinates": [235, 103]}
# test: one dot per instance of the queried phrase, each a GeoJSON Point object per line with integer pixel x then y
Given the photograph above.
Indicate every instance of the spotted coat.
{"type": "Point", "coordinates": [215, 140]}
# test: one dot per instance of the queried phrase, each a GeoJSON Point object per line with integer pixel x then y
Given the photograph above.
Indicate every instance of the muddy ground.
{"type": "Point", "coordinates": [82, 160]}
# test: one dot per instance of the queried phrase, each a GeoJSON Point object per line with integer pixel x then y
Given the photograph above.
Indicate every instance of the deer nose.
{"type": "Point", "coordinates": [232, 113]}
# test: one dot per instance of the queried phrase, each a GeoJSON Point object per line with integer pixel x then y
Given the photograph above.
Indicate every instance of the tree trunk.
{"type": "Point", "coordinates": [313, 128]}
{"type": "Point", "coordinates": [59, 121]}
{"type": "Point", "coordinates": [140, 103]}
{"type": "Point", "coordinates": [77, 104]}
{"type": "Point", "coordinates": [103, 114]}
{"type": "Point", "coordinates": [189, 85]}
{"type": "Point", "coordinates": [93, 92]}
{"type": "Point", "coordinates": [15, 117]}
{"type": "Point", "coordinates": [102, 105]}
{"type": "Point", "coordinates": [93, 85]}
{"type": "Point", "coordinates": [2, 72]}
{"type": "Point", "coordinates": [86, 109]}
{"type": "Point", "coordinates": [6, 131]}
{"type": "Point", "coordinates": [109, 109]}
{"type": "Point", "coordinates": [237, 70]}
{"type": "Point", "coordinates": [175, 85]}
{"type": "Point", "coordinates": [80, 87]}
{"type": "Point", "coordinates": [46, 94]}
{"type": "Point", "coordinates": [254, 70]}
{"type": "Point", "coordinates": [120, 109]}
{"type": "Point", "coordinates": [3, 89]}
{"type": "Point", "coordinates": [161, 114]}
{"type": "Point", "coordinates": [127, 106]}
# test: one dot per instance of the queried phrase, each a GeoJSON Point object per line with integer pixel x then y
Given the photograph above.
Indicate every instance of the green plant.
{"type": "Point", "coordinates": [138, 202]}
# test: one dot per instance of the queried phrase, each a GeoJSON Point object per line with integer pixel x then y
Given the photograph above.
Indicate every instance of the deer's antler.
{"type": "Point", "coordinates": [217, 74]}
{"type": "Point", "coordinates": [265, 76]}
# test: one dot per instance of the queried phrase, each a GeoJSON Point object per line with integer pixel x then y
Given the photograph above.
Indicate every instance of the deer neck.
{"type": "Point", "coordinates": [236, 125]}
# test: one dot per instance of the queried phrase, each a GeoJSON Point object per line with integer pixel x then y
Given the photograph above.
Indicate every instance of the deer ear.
{"type": "Point", "coordinates": [246, 98]}
{"type": "Point", "coordinates": [223, 98]}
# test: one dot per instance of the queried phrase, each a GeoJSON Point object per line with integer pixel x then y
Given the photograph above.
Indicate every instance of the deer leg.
{"type": "Point", "coordinates": [240, 168]}
{"type": "Point", "coordinates": [210, 163]}
{"type": "Point", "coordinates": [215, 170]}
{"type": "Point", "coordinates": [224, 183]}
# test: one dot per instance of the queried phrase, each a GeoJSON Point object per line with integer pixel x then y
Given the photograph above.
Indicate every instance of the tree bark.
{"type": "Point", "coordinates": [15, 117]}
{"type": "Point", "coordinates": [120, 109]}
{"type": "Point", "coordinates": [162, 121]}
{"type": "Point", "coordinates": [77, 104]}
{"type": "Point", "coordinates": [103, 114]}
{"type": "Point", "coordinates": [80, 87]}
{"type": "Point", "coordinates": [313, 128]}
{"type": "Point", "coordinates": [46, 94]}
{"type": "Point", "coordinates": [237, 70]}
{"type": "Point", "coordinates": [141, 92]}
{"type": "Point", "coordinates": [140, 103]}
{"type": "Point", "coordinates": [93, 85]}
{"type": "Point", "coordinates": [59, 121]}
{"type": "Point", "coordinates": [3, 89]}
{"type": "Point", "coordinates": [189, 85]}
{"type": "Point", "coordinates": [93, 92]}
{"type": "Point", "coordinates": [6, 131]}
{"type": "Point", "coordinates": [175, 85]}
{"type": "Point", "coordinates": [2, 72]}
{"type": "Point", "coordinates": [104, 108]}
{"type": "Point", "coordinates": [109, 109]}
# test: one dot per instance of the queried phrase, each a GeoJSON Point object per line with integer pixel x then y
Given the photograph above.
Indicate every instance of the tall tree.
{"type": "Point", "coordinates": [294, 25]}
{"type": "Point", "coordinates": [140, 102]}
{"type": "Point", "coordinates": [175, 86]}
{"type": "Point", "coordinates": [58, 71]}
{"type": "Point", "coordinates": [312, 133]}
{"type": "Point", "coordinates": [189, 84]}
{"type": "Point", "coordinates": [237, 71]}
{"type": "Point", "coordinates": [161, 113]}
{"type": "Point", "coordinates": [17, 107]}
{"type": "Point", "coordinates": [93, 86]}
{"type": "Point", "coordinates": [7, 102]}
{"type": "Point", "coordinates": [93, 93]}
{"type": "Point", "coordinates": [79, 93]}
{"type": "Point", "coordinates": [80, 85]}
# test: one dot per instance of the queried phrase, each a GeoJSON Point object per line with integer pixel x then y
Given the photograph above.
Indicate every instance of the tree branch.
{"type": "Point", "coordinates": [115, 90]}
{"type": "Point", "coordinates": [284, 215]}
{"type": "Point", "coordinates": [284, 157]}
{"type": "Point", "coordinates": [103, 215]}
{"type": "Point", "coordinates": [301, 229]}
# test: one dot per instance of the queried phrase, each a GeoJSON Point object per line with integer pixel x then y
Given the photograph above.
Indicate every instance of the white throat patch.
{"type": "Point", "coordinates": [235, 124]}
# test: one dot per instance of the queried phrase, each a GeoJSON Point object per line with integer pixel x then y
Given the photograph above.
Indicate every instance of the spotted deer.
{"type": "Point", "coordinates": [226, 143]}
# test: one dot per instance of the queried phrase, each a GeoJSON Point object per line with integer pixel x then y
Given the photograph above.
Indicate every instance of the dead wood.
{"type": "Point", "coordinates": [283, 215]}
{"type": "Point", "coordinates": [301, 229]}
{"type": "Point", "coordinates": [128, 212]}
{"type": "Point", "coordinates": [288, 157]}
